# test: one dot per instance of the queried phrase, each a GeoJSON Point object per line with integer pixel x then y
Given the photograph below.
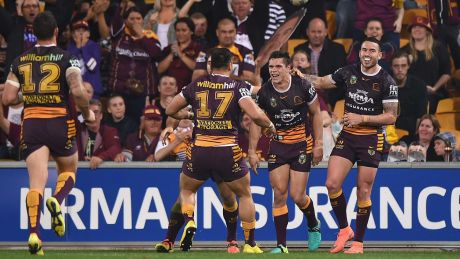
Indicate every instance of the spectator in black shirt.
{"type": "Point", "coordinates": [412, 94]}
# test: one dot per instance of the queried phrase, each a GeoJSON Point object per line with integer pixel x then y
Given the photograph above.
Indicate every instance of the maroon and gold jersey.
{"type": "Point", "coordinates": [41, 72]}
{"type": "Point", "coordinates": [288, 109]}
{"type": "Point", "coordinates": [214, 100]}
{"type": "Point", "coordinates": [365, 94]}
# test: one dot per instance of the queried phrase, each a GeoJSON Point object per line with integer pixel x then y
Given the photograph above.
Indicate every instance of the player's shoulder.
{"type": "Point", "coordinates": [386, 77]}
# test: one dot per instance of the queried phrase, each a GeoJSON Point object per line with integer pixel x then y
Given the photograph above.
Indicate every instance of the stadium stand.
{"type": "Point", "coordinates": [448, 114]}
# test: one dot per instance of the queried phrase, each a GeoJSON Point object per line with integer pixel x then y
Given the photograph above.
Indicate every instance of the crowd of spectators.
{"type": "Point", "coordinates": [137, 54]}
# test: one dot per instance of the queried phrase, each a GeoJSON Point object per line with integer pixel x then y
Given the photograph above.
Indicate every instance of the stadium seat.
{"type": "Point", "coordinates": [448, 114]}
{"type": "Point", "coordinates": [345, 42]}
{"type": "Point", "coordinates": [449, 105]}
{"type": "Point", "coordinates": [403, 42]}
{"type": "Point", "coordinates": [339, 109]}
{"type": "Point", "coordinates": [330, 20]}
{"type": "Point", "coordinates": [292, 44]}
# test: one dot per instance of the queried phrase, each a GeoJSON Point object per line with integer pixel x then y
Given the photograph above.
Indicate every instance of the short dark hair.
{"type": "Point", "coordinates": [372, 39]}
{"type": "Point", "coordinates": [302, 51]}
{"type": "Point", "coordinates": [281, 54]}
{"type": "Point", "coordinates": [220, 58]}
{"type": "Point", "coordinates": [373, 19]}
{"type": "Point", "coordinates": [187, 21]}
{"type": "Point", "coordinates": [115, 95]}
{"type": "Point", "coordinates": [197, 15]}
{"type": "Point", "coordinates": [130, 10]}
{"type": "Point", "coordinates": [401, 54]}
{"type": "Point", "coordinates": [44, 25]}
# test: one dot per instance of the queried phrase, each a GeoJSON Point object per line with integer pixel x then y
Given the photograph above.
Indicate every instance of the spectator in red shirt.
{"type": "Point", "coordinates": [97, 143]}
{"type": "Point", "coordinates": [141, 146]}
{"type": "Point", "coordinates": [179, 58]}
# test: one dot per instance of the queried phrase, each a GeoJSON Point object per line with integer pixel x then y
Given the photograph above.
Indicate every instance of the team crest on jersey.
{"type": "Point", "coordinates": [376, 87]}
{"type": "Point", "coordinates": [302, 159]}
{"type": "Point", "coordinates": [371, 152]}
{"type": "Point", "coordinates": [353, 80]}
{"type": "Point", "coordinates": [298, 100]}
{"type": "Point", "coordinates": [273, 102]}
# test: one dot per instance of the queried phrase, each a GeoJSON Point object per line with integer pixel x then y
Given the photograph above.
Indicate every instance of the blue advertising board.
{"type": "Point", "coordinates": [116, 204]}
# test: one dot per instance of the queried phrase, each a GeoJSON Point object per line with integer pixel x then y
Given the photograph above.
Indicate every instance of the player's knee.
{"type": "Point", "coordinates": [333, 186]}
{"type": "Point", "coordinates": [298, 197]}
{"type": "Point", "coordinates": [280, 198]}
{"type": "Point", "coordinates": [229, 201]}
{"type": "Point", "coordinates": [363, 193]}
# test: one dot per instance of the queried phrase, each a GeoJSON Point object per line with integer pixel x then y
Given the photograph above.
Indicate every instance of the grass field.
{"type": "Point", "coordinates": [144, 254]}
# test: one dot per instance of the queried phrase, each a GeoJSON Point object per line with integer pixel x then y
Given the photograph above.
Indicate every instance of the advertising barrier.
{"type": "Point", "coordinates": [117, 203]}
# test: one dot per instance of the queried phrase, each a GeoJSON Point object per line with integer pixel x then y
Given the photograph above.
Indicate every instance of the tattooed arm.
{"type": "Point", "coordinates": [388, 117]}
{"type": "Point", "coordinates": [75, 82]}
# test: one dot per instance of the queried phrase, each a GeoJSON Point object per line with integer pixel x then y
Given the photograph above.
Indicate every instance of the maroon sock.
{"type": "Point", "coordinates": [65, 183]}
{"type": "Point", "coordinates": [34, 202]}
{"type": "Point", "coordinates": [231, 220]}
{"type": "Point", "coordinates": [248, 229]}
{"type": "Point", "coordinates": [176, 221]}
{"type": "Point", "coordinates": [362, 217]}
{"type": "Point", "coordinates": [339, 205]}
{"type": "Point", "coordinates": [280, 216]}
{"type": "Point", "coordinates": [309, 212]}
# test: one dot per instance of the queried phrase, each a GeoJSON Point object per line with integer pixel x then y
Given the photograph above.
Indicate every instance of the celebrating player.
{"type": "Point", "coordinates": [217, 102]}
{"type": "Point", "coordinates": [287, 100]}
{"type": "Point", "coordinates": [371, 102]}
{"type": "Point", "coordinates": [43, 78]}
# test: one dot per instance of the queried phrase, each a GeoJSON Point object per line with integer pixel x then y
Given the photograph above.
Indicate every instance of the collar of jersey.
{"type": "Point", "coordinates": [215, 74]}
{"type": "Point", "coordinates": [49, 45]}
{"type": "Point", "coordinates": [289, 86]}
{"type": "Point", "coordinates": [366, 74]}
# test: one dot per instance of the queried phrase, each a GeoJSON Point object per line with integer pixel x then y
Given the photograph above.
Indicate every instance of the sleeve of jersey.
{"type": "Point", "coordinates": [201, 61]}
{"type": "Point", "coordinates": [338, 77]}
{"type": "Point", "coordinates": [248, 63]}
{"type": "Point", "coordinates": [14, 70]}
{"type": "Point", "coordinates": [311, 92]}
{"type": "Point", "coordinates": [186, 93]}
{"type": "Point", "coordinates": [390, 93]}
{"type": "Point", "coordinates": [74, 65]}
{"type": "Point", "coordinates": [243, 92]}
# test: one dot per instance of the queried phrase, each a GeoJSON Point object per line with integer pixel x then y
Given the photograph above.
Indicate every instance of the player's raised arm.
{"type": "Point", "coordinates": [322, 82]}
{"type": "Point", "coordinates": [11, 94]}
{"type": "Point", "coordinates": [75, 82]}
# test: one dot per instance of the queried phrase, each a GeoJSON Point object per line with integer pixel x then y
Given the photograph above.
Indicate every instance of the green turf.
{"type": "Point", "coordinates": [144, 254]}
